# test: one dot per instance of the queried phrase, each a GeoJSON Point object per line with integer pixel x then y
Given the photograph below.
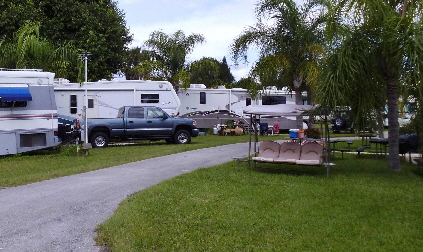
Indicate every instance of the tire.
{"type": "Point", "coordinates": [99, 140]}
{"type": "Point", "coordinates": [182, 137]}
{"type": "Point", "coordinates": [339, 121]}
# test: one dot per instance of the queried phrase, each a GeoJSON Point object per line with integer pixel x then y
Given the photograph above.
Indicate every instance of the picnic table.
{"type": "Point", "coordinates": [333, 142]}
{"type": "Point", "coordinates": [381, 145]}
{"type": "Point", "coordinates": [365, 139]}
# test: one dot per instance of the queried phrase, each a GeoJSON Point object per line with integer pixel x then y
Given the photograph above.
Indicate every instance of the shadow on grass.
{"type": "Point", "coordinates": [146, 143]}
{"type": "Point", "coordinates": [294, 170]}
{"type": "Point", "coordinates": [350, 166]}
{"type": "Point", "coordinates": [418, 172]}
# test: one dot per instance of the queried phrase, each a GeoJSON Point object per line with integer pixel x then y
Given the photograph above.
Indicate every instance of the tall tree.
{"type": "Point", "coordinates": [376, 44]}
{"type": "Point", "coordinates": [173, 50]}
{"type": "Point", "coordinates": [289, 47]}
{"type": "Point", "coordinates": [96, 26]}
{"type": "Point", "coordinates": [211, 72]}
{"type": "Point", "coordinates": [205, 71]}
{"type": "Point", "coordinates": [251, 85]}
{"type": "Point", "coordinates": [26, 49]}
{"type": "Point", "coordinates": [140, 64]}
{"type": "Point", "coordinates": [225, 72]}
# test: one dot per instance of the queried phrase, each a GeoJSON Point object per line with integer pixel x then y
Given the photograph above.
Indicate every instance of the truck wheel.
{"type": "Point", "coordinates": [99, 140]}
{"type": "Point", "coordinates": [182, 137]}
{"type": "Point", "coordinates": [339, 121]}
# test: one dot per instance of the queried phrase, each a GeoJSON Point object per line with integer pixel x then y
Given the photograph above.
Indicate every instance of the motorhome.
{"type": "Point", "coordinates": [104, 98]}
{"type": "Point", "coordinates": [28, 113]}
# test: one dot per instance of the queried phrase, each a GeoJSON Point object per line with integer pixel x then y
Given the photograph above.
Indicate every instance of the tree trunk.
{"type": "Point", "coordinates": [393, 125]}
{"type": "Point", "coordinates": [311, 119]}
{"type": "Point", "coordinates": [298, 100]}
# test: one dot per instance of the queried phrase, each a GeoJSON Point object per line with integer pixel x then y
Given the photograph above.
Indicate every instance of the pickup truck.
{"type": "Point", "coordinates": [141, 122]}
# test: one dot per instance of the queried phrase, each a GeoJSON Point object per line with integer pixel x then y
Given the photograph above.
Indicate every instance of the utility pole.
{"type": "Point", "coordinates": [84, 56]}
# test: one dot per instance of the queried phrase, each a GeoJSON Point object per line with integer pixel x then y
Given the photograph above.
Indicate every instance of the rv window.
{"type": "Point", "coordinates": [73, 104]}
{"type": "Point", "coordinates": [273, 100]}
{"type": "Point", "coordinates": [90, 103]}
{"type": "Point", "coordinates": [12, 104]}
{"type": "Point", "coordinates": [202, 97]}
{"type": "Point", "coordinates": [136, 113]}
{"type": "Point", "coordinates": [248, 102]}
{"type": "Point", "coordinates": [150, 98]}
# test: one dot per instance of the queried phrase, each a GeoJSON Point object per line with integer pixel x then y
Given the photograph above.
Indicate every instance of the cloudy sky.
{"type": "Point", "coordinates": [219, 21]}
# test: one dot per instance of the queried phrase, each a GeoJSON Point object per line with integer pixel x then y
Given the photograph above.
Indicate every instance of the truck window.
{"type": "Point", "coordinates": [150, 98]}
{"type": "Point", "coordinates": [121, 112]}
{"type": "Point", "coordinates": [136, 113]}
{"type": "Point", "coordinates": [154, 113]}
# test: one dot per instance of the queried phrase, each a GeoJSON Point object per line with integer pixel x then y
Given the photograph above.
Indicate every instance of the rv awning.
{"type": "Point", "coordinates": [277, 110]}
{"type": "Point", "coordinates": [10, 94]}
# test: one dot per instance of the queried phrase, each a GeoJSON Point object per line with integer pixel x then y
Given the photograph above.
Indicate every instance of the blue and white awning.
{"type": "Point", "coordinates": [11, 94]}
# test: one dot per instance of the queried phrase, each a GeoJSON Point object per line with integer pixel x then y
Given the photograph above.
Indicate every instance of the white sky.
{"type": "Point", "coordinates": [219, 21]}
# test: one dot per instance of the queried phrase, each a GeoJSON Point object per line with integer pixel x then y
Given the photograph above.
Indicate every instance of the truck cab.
{"type": "Point", "coordinates": [141, 122]}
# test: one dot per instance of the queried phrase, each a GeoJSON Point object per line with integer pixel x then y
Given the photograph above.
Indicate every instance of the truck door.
{"type": "Point", "coordinates": [136, 122]}
{"type": "Point", "coordinates": [158, 122]}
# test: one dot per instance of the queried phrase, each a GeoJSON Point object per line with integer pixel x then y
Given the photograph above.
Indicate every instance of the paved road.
{"type": "Point", "coordinates": [61, 214]}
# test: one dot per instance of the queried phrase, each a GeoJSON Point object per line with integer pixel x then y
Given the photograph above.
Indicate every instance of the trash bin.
{"type": "Point", "coordinates": [264, 127]}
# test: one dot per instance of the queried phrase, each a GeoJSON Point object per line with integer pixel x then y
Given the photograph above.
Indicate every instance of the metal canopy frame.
{"type": "Point", "coordinates": [256, 111]}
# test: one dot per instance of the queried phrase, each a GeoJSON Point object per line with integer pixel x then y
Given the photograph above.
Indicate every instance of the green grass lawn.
{"type": "Point", "coordinates": [28, 168]}
{"type": "Point", "coordinates": [361, 206]}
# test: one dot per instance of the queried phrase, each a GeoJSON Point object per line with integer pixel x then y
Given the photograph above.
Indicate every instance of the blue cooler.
{"type": "Point", "coordinates": [293, 133]}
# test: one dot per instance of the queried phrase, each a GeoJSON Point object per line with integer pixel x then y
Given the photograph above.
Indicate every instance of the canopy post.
{"type": "Point", "coordinates": [327, 146]}
{"type": "Point", "coordinates": [257, 128]}
{"type": "Point", "coordinates": [249, 144]}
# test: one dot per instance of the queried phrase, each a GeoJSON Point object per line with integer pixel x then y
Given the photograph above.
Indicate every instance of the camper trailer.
{"type": "Point", "coordinates": [199, 98]}
{"type": "Point", "coordinates": [215, 106]}
{"type": "Point", "coordinates": [28, 114]}
{"type": "Point", "coordinates": [104, 98]}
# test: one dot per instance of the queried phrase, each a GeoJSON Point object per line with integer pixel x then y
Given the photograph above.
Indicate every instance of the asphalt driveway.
{"type": "Point", "coordinates": [61, 214]}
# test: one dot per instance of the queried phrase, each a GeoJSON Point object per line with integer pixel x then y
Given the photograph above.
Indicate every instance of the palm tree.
{"type": "Point", "coordinates": [27, 50]}
{"type": "Point", "coordinates": [172, 51]}
{"type": "Point", "coordinates": [289, 48]}
{"type": "Point", "coordinates": [375, 52]}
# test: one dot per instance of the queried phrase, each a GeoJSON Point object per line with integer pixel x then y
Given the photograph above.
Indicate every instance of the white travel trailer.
{"type": "Point", "coordinates": [28, 114]}
{"type": "Point", "coordinates": [106, 97]}
{"type": "Point", "coordinates": [214, 106]}
{"type": "Point", "coordinates": [199, 98]}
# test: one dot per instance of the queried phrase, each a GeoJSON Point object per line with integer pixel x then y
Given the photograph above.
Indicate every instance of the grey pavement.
{"type": "Point", "coordinates": [61, 214]}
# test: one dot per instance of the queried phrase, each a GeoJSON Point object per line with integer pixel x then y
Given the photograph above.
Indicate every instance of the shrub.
{"type": "Point", "coordinates": [313, 133]}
